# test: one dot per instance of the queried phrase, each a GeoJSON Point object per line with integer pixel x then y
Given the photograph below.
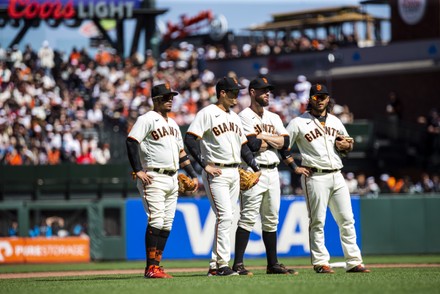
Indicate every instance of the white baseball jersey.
{"type": "Point", "coordinates": [222, 134]}
{"type": "Point", "coordinates": [160, 141]}
{"type": "Point", "coordinates": [268, 124]}
{"type": "Point", "coordinates": [316, 143]}
{"type": "Point", "coordinates": [327, 188]}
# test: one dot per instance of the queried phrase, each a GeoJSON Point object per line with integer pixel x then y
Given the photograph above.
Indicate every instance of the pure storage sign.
{"type": "Point", "coordinates": [44, 250]}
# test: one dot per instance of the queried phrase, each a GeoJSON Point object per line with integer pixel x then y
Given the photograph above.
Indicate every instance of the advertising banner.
{"type": "Point", "coordinates": [44, 250]}
{"type": "Point", "coordinates": [193, 230]}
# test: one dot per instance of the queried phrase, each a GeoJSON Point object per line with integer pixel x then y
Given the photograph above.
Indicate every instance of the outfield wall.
{"type": "Point", "coordinates": [116, 227]}
{"type": "Point", "coordinates": [193, 230]}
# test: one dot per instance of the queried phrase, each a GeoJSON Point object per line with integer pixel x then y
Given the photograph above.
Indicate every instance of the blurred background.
{"type": "Point", "coordinates": [75, 75]}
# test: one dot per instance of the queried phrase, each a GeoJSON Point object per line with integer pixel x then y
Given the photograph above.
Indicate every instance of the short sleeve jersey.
{"type": "Point", "coordinates": [316, 142]}
{"type": "Point", "coordinates": [160, 141]}
{"type": "Point", "coordinates": [222, 134]}
{"type": "Point", "coordinates": [269, 124]}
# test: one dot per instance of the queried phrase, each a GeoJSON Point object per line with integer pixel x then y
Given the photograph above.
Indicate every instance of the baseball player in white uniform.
{"type": "Point", "coordinates": [222, 145]}
{"type": "Point", "coordinates": [155, 151]}
{"type": "Point", "coordinates": [322, 140]}
{"type": "Point", "coordinates": [266, 134]}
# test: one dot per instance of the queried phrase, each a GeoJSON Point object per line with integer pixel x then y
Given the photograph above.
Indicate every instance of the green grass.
{"type": "Point", "coordinates": [106, 265]}
{"type": "Point", "coordinates": [380, 280]}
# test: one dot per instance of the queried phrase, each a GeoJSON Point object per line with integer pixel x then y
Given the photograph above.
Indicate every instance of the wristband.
{"type": "Point", "coordinates": [292, 165]}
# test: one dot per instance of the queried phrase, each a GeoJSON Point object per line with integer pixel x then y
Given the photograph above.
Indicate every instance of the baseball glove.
{"type": "Point", "coordinates": [185, 183]}
{"type": "Point", "coordinates": [341, 145]}
{"type": "Point", "coordinates": [248, 179]}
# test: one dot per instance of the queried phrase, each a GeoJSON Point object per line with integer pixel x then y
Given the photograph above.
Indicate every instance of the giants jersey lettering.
{"type": "Point", "coordinates": [160, 141]}
{"type": "Point", "coordinates": [318, 132]}
{"type": "Point", "coordinates": [316, 142]}
{"type": "Point", "coordinates": [222, 134]}
{"type": "Point", "coordinates": [269, 124]}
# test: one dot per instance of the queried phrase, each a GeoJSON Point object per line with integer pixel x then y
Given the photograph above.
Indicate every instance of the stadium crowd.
{"type": "Point", "coordinates": [54, 106]}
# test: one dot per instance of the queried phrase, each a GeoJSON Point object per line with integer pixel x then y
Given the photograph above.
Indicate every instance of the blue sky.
{"type": "Point", "coordinates": [240, 14]}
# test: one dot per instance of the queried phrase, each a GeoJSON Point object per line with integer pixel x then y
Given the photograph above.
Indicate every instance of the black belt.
{"type": "Point", "coordinates": [165, 171]}
{"type": "Point", "coordinates": [269, 166]}
{"type": "Point", "coordinates": [318, 170]}
{"type": "Point", "coordinates": [226, 165]}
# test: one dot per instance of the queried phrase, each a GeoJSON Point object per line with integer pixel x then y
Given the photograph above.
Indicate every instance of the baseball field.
{"type": "Point", "coordinates": [390, 274]}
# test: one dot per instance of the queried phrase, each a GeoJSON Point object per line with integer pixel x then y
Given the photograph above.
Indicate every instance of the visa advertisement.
{"type": "Point", "coordinates": [193, 230]}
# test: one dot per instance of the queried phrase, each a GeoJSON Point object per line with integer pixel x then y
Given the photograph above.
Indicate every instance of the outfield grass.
{"type": "Point", "coordinates": [380, 280]}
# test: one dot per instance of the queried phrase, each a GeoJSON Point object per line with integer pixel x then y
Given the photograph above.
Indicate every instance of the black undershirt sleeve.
{"type": "Point", "coordinates": [133, 154]}
{"type": "Point", "coordinates": [248, 157]}
{"type": "Point", "coordinates": [286, 143]}
{"type": "Point", "coordinates": [193, 148]}
{"type": "Point", "coordinates": [254, 143]}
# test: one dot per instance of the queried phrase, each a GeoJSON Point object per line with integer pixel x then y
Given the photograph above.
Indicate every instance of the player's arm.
{"type": "Point", "coordinates": [193, 148]}
{"type": "Point", "coordinates": [256, 144]}
{"type": "Point", "coordinates": [248, 157]}
{"type": "Point", "coordinates": [185, 163]}
{"type": "Point", "coordinates": [135, 161]}
{"type": "Point", "coordinates": [277, 142]}
{"type": "Point", "coordinates": [288, 160]}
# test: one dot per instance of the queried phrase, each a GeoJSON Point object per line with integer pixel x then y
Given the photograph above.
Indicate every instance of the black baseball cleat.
{"type": "Point", "coordinates": [241, 270]}
{"type": "Point", "coordinates": [226, 271]}
{"type": "Point", "coordinates": [279, 268]}
{"type": "Point", "coordinates": [358, 269]}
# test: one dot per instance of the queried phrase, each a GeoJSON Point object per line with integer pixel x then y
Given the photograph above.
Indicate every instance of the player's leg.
{"type": "Point", "coordinates": [317, 189]}
{"type": "Point", "coordinates": [154, 206]}
{"type": "Point", "coordinates": [222, 193]}
{"type": "Point", "coordinates": [269, 210]}
{"type": "Point", "coordinates": [170, 210]}
{"type": "Point", "coordinates": [340, 207]}
{"type": "Point", "coordinates": [250, 202]}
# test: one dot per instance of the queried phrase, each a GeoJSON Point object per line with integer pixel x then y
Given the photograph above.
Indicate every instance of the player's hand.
{"type": "Point", "coordinates": [299, 170]}
{"type": "Point", "coordinates": [343, 143]}
{"type": "Point", "coordinates": [196, 182]}
{"type": "Point", "coordinates": [213, 171]}
{"type": "Point", "coordinates": [144, 177]}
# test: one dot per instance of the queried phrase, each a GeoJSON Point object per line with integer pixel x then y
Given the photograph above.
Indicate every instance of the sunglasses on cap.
{"type": "Point", "coordinates": [319, 97]}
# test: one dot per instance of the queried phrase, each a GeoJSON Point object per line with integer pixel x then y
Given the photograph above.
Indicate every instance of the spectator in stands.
{"type": "Point", "coordinates": [373, 189]}
{"type": "Point", "coordinates": [102, 153]}
{"type": "Point", "coordinates": [56, 225]}
{"type": "Point", "coordinates": [302, 89]}
{"type": "Point", "coordinates": [352, 182]}
{"type": "Point", "coordinates": [383, 183]}
{"type": "Point", "coordinates": [425, 184]}
{"type": "Point", "coordinates": [436, 183]}
{"type": "Point", "coordinates": [46, 56]}
{"type": "Point", "coordinates": [407, 185]}
{"type": "Point", "coordinates": [13, 229]}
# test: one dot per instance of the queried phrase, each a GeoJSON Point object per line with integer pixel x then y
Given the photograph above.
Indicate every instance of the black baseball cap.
{"type": "Point", "coordinates": [162, 90]}
{"type": "Point", "coordinates": [318, 89]}
{"type": "Point", "coordinates": [261, 83]}
{"type": "Point", "coordinates": [227, 83]}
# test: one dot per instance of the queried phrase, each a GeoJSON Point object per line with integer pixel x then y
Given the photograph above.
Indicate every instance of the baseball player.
{"type": "Point", "coordinates": [322, 140]}
{"type": "Point", "coordinates": [222, 145]}
{"type": "Point", "coordinates": [155, 151]}
{"type": "Point", "coordinates": [266, 134]}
